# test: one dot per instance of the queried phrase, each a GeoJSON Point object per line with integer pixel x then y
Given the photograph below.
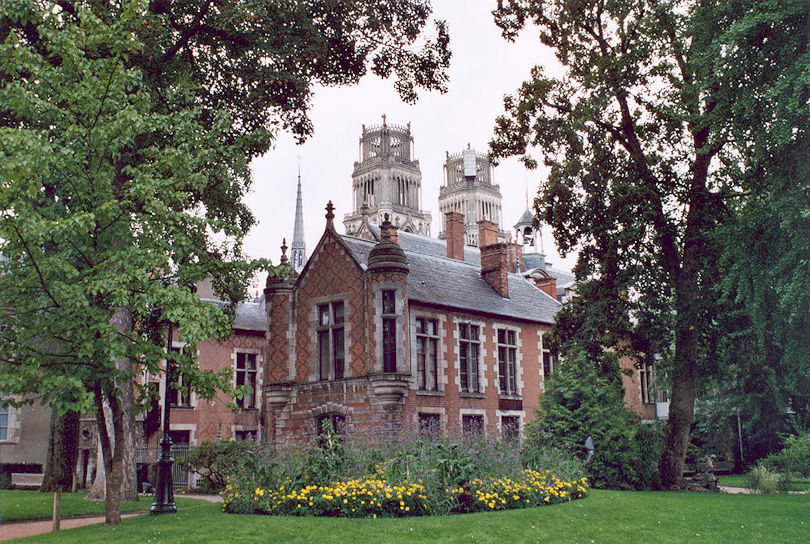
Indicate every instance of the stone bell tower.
{"type": "Point", "coordinates": [387, 181]}
{"type": "Point", "coordinates": [468, 189]}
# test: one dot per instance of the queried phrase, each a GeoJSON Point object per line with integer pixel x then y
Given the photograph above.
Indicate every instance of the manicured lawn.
{"type": "Point", "coordinates": [733, 480]}
{"type": "Point", "coordinates": [17, 505]}
{"type": "Point", "coordinates": [604, 517]}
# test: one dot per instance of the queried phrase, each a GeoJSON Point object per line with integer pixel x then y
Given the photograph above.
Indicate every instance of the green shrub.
{"type": "Point", "coordinates": [794, 457]}
{"type": "Point", "coordinates": [579, 402]}
{"type": "Point", "coordinates": [762, 480]}
{"type": "Point", "coordinates": [212, 460]}
{"type": "Point", "coordinates": [448, 472]}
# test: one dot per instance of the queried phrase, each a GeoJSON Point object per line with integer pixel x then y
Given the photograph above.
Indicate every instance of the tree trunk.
{"type": "Point", "coordinates": [63, 450]}
{"type": "Point", "coordinates": [122, 320]}
{"type": "Point", "coordinates": [687, 333]}
{"type": "Point", "coordinates": [98, 491]}
{"type": "Point", "coordinates": [112, 451]}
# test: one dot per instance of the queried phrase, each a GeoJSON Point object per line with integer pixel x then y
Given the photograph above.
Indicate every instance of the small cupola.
{"type": "Point", "coordinates": [387, 256]}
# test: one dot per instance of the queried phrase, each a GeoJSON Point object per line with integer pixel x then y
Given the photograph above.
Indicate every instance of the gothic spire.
{"type": "Point", "coordinates": [298, 252]}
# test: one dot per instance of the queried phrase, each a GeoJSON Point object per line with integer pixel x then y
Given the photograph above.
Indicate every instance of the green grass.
{"type": "Point", "coordinates": [604, 517]}
{"type": "Point", "coordinates": [31, 505]}
{"type": "Point", "coordinates": [733, 480]}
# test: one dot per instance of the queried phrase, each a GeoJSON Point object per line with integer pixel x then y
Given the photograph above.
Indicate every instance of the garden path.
{"type": "Point", "coordinates": [20, 529]}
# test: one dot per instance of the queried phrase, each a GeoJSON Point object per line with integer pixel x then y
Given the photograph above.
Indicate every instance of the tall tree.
{"type": "Point", "coordinates": [649, 135]}
{"type": "Point", "coordinates": [126, 131]}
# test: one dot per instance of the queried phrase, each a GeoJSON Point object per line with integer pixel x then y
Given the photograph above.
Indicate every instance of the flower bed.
{"type": "Point", "coordinates": [375, 497]}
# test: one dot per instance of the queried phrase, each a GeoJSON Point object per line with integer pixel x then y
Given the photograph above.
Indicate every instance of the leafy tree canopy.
{"type": "Point", "coordinates": [126, 132]}
{"type": "Point", "coordinates": [653, 135]}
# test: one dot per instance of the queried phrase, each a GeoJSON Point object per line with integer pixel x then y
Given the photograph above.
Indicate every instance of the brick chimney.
{"type": "Point", "coordinates": [487, 233]}
{"type": "Point", "coordinates": [548, 286]}
{"type": "Point", "coordinates": [454, 235]}
{"type": "Point", "coordinates": [494, 258]}
{"type": "Point", "coordinates": [515, 257]}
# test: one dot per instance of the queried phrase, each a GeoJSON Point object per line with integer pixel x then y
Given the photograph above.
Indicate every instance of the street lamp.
{"type": "Point", "coordinates": [163, 502]}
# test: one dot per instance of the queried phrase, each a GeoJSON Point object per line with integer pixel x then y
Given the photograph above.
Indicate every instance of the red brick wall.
{"type": "Point", "coordinates": [206, 420]}
{"type": "Point", "coordinates": [451, 399]}
{"type": "Point", "coordinates": [632, 392]}
{"type": "Point", "coordinates": [331, 271]}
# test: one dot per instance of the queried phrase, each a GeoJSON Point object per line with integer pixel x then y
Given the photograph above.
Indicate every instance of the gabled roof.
{"type": "Point", "coordinates": [436, 279]}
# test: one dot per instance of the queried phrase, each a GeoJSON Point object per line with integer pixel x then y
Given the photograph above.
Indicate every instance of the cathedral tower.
{"type": "Point", "coordinates": [387, 180]}
{"type": "Point", "coordinates": [468, 190]}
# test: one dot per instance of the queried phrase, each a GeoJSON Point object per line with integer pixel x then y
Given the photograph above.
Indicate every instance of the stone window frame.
{"type": "Point", "coordinates": [482, 356]}
{"type": "Point", "coordinates": [192, 398]}
{"type": "Point", "coordinates": [247, 429]}
{"type": "Point", "coordinates": [543, 352]}
{"type": "Point", "coordinates": [441, 348]}
{"type": "Point", "coordinates": [12, 424]}
{"type": "Point", "coordinates": [519, 382]}
{"type": "Point", "coordinates": [473, 412]}
{"type": "Point", "coordinates": [432, 410]}
{"type": "Point", "coordinates": [500, 414]}
{"type": "Point", "coordinates": [646, 381]}
{"type": "Point", "coordinates": [314, 325]}
{"type": "Point", "coordinates": [259, 381]}
{"type": "Point", "coordinates": [399, 315]}
{"type": "Point", "coordinates": [329, 408]}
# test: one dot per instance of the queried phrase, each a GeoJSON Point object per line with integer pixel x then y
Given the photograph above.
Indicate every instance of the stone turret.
{"type": "Point", "coordinates": [387, 274]}
{"type": "Point", "coordinates": [278, 293]}
{"type": "Point", "coordinates": [388, 181]}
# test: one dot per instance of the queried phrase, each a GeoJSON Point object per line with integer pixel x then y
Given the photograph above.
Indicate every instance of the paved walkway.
{"type": "Point", "coordinates": [736, 490]}
{"type": "Point", "coordinates": [20, 529]}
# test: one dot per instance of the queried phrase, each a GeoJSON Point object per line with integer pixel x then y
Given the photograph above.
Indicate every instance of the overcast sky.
{"type": "Point", "coordinates": [484, 68]}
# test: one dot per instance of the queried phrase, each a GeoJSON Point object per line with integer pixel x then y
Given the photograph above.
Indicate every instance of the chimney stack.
{"type": "Point", "coordinates": [515, 257]}
{"type": "Point", "coordinates": [495, 257]}
{"type": "Point", "coordinates": [454, 231]}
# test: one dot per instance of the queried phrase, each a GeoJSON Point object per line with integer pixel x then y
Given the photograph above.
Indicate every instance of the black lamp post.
{"type": "Point", "coordinates": [164, 490]}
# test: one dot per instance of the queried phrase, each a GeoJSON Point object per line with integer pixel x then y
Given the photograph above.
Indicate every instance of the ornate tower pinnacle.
{"type": "Point", "coordinates": [298, 252]}
{"type": "Point", "coordinates": [387, 180]}
{"type": "Point", "coordinates": [469, 190]}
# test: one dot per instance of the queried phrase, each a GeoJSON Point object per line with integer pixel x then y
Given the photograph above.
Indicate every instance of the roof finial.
{"type": "Point", "coordinates": [383, 116]}
{"type": "Point", "coordinates": [526, 182]}
{"type": "Point", "coordinates": [284, 260]}
{"type": "Point", "coordinates": [330, 216]}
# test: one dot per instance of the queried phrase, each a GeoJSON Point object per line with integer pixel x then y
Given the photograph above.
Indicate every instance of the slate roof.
{"type": "Point", "coordinates": [472, 255]}
{"type": "Point", "coordinates": [250, 315]}
{"type": "Point", "coordinates": [525, 219]}
{"type": "Point", "coordinates": [435, 279]}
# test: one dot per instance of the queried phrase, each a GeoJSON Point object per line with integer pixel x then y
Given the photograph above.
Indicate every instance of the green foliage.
{"type": "Point", "coordinates": [126, 133]}
{"type": "Point", "coordinates": [212, 461]}
{"type": "Point", "coordinates": [578, 403]}
{"type": "Point", "coordinates": [445, 470]}
{"type": "Point", "coordinates": [327, 460]}
{"type": "Point", "coordinates": [670, 122]}
{"type": "Point", "coordinates": [794, 457]}
{"type": "Point", "coordinates": [763, 480]}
